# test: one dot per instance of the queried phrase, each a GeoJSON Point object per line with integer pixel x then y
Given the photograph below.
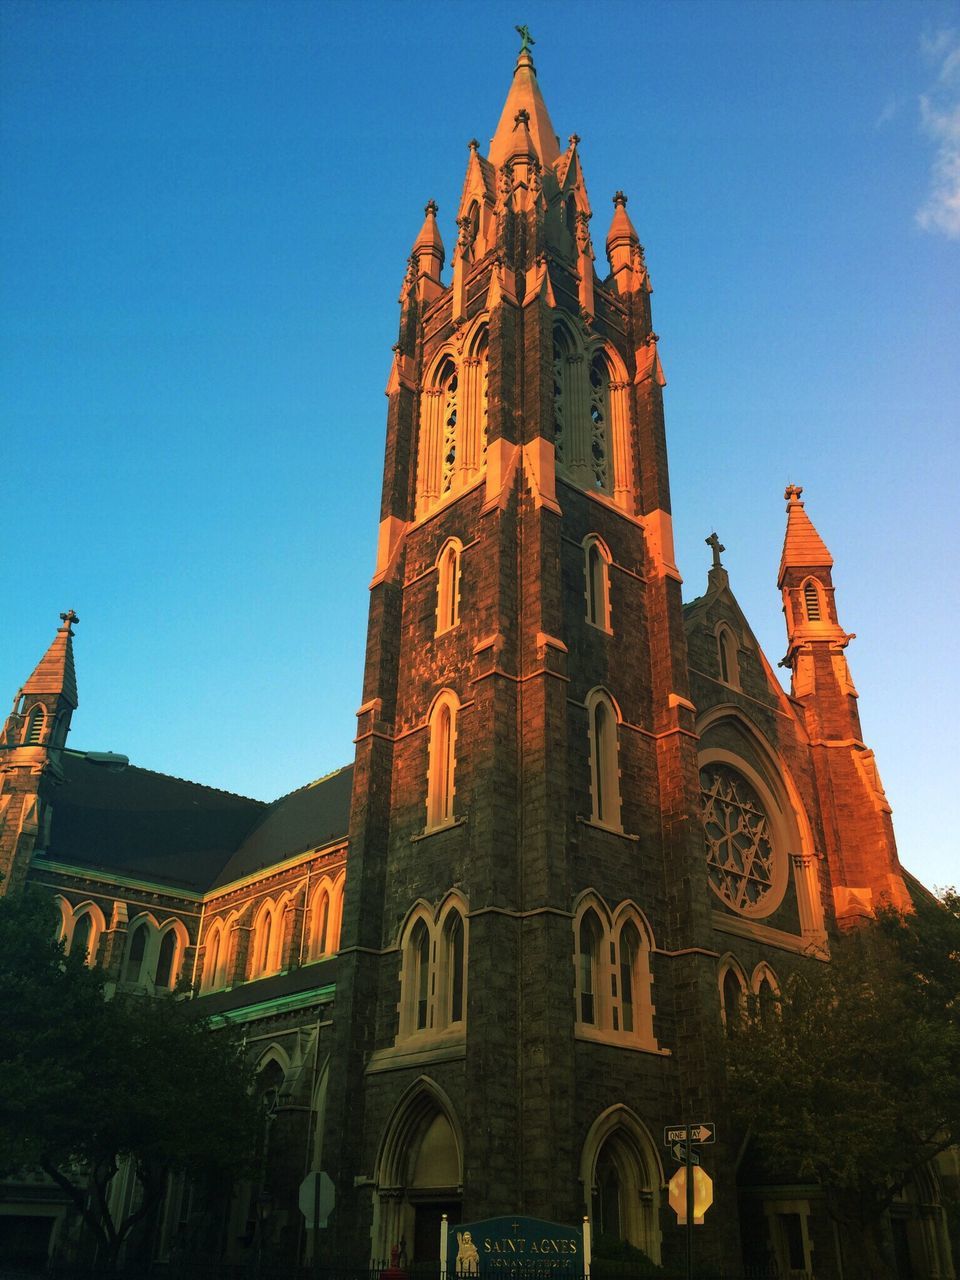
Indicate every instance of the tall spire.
{"type": "Point", "coordinates": [55, 672]}
{"type": "Point", "coordinates": [803, 548]}
{"type": "Point", "coordinates": [525, 96]}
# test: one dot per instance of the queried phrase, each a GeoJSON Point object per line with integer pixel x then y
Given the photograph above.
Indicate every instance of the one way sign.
{"type": "Point", "coordinates": [702, 1133]}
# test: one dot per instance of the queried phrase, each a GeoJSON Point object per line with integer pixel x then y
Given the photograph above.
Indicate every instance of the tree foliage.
{"type": "Point", "coordinates": [86, 1082]}
{"type": "Point", "coordinates": [854, 1081]}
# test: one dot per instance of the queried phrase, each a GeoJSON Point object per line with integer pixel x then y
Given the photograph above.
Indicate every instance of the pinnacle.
{"type": "Point", "coordinates": [429, 238]}
{"type": "Point", "coordinates": [55, 672]}
{"type": "Point", "coordinates": [621, 228]}
{"type": "Point", "coordinates": [525, 95]}
{"type": "Point", "coordinates": [802, 545]}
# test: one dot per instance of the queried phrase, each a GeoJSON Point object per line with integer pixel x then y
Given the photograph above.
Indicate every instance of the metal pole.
{"type": "Point", "coordinates": [587, 1247]}
{"type": "Point", "coordinates": [689, 1190]}
{"type": "Point", "coordinates": [444, 1236]}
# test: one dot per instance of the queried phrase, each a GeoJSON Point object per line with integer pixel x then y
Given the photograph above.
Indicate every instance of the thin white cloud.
{"type": "Point", "coordinates": [940, 120]}
{"type": "Point", "coordinates": [890, 109]}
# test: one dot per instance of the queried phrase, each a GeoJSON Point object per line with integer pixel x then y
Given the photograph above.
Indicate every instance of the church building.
{"type": "Point", "coordinates": [484, 965]}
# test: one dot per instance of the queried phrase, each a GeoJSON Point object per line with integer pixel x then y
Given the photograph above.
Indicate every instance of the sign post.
{"type": "Point", "coordinates": [681, 1138]}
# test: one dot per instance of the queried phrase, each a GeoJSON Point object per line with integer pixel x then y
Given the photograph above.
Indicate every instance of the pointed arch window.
{"type": "Point", "coordinates": [166, 970]}
{"type": "Point", "coordinates": [613, 977]}
{"type": "Point", "coordinates": [442, 760]}
{"type": "Point", "coordinates": [421, 981]}
{"type": "Point", "coordinates": [33, 734]}
{"type": "Point", "coordinates": [326, 908]}
{"type": "Point", "coordinates": [448, 586]}
{"type": "Point", "coordinates": [136, 947]}
{"type": "Point", "coordinates": [212, 958]}
{"type": "Point", "coordinates": [433, 972]}
{"type": "Point", "coordinates": [83, 936]}
{"type": "Point", "coordinates": [727, 649]}
{"type": "Point", "coordinates": [733, 996]}
{"type": "Point", "coordinates": [604, 762]}
{"type": "Point", "coordinates": [453, 422]}
{"type": "Point", "coordinates": [597, 571]}
{"type": "Point", "coordinates": [589, 943]}
{"type": "Point", "coordinates": [600, 423]}
{"type": "Point", "coordinates": [452, 969]}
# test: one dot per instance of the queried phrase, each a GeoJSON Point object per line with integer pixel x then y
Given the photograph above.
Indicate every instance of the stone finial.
{"type": "Point", "coordinates": [522, 117]}
{"type": "Point", "coordinates": [716, 546]}
{"type": "Point", "coordinates": [620, 200]}
{"type": "Point", "coordinates": [473, 144]}
{"type": "Point", "coordinates": [69, 620]}
{"type": "Point", "coordinates": [574, 139]}
{"type": "Point", "coordinates": [792, 494]}
{"type": "Point", "coordinates": [526, 39]}
{"type": "Point", "coordinates": [431, 207]}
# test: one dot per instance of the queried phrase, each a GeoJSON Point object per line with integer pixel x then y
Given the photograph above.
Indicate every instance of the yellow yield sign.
{"type": "Point", "coordinates": [702, 1194]}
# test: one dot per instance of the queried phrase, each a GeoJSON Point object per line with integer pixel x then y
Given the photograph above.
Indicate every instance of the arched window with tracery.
{"type": "Point", "coordinates": [442, 760]}
{"type": "Point", "coordinates": [599, 411]}
{"type": "Point", "coordinates": [448, 585]}
{"type": "Point", "coordinates": [267, 941]}
{"type": "Point", "coordinates": [433, 970]}
{"type": "Point", "coordinates": [604, 762]}
{"type": "Point", "coordinates": [597, 571]}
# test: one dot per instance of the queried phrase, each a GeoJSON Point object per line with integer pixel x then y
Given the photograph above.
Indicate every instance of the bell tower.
{"type": "Point", "coordinates": [858, 829]}
{"type": "Point", "coordinates": [33, 736]}
{"type": "Point", "coordinates": [521, 850]}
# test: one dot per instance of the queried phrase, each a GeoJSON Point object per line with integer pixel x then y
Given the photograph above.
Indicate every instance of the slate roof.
{"type": "Point", "coordinates": [317, 814]}
{"type": "Point", "coordinates": [112, 816]}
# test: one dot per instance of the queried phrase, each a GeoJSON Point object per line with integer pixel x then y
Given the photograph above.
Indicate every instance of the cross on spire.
{"type": "Point", "coordinates": [69, 619]}
{"type": "Point", "coordinates": [526, 39]}
{"type": "Point", "coordinates": [714, 543]}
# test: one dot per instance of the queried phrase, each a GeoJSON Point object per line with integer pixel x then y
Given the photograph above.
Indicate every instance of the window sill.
{"type": "Point", "coordinates": [443, 826]}
{"type": "Point", "coordinates": [419, 1048]}
{"type": "Point", "coordinates": [603, 826]}
{"type": "Point", "coordinates": [618, 1040]}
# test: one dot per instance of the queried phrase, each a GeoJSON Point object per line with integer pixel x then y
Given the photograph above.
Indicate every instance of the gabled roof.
{"type": "Point", "coordinates": [112, 816]}
{"type": "Point", "coordinates": [314, 816]}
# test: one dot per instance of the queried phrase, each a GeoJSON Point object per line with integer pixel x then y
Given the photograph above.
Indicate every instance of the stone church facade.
{"type": "Point", "coordinates": [485, 965]}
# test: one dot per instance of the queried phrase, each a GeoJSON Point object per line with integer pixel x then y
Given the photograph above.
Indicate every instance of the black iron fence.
{"type": "Point", "coordinates": [203, 1270]}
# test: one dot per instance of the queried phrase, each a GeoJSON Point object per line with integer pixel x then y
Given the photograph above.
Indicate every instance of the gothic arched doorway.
{"type": "Point", "coordinates": [419, 1174]}
{"type": "Point", "coordinates": [622, 1177]}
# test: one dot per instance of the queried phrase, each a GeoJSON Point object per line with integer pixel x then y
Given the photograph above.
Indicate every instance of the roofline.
{"type": "Point", "coordinates": [280, 1004]}
{"type": "Point", "coordinates": [42, 863]}
{"type": "Point", "coordinates": [273, 867]}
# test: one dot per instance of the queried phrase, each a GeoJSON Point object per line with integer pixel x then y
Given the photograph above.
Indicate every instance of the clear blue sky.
{"type": "Point", "coordinates": [205, 215]}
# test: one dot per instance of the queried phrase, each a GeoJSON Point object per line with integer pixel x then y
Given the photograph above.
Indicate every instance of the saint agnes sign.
{"type": "Point", "coordinates": [525, 1248]}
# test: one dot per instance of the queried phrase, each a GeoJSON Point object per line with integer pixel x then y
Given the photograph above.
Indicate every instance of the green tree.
{"type": "Point", "coordinates": [854, 1080]}
{"type": "Point", "coordinates": [87, 1082]}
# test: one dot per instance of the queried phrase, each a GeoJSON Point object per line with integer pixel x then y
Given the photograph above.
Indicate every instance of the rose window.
{"type": "Point", "coordinates": [742, 863]}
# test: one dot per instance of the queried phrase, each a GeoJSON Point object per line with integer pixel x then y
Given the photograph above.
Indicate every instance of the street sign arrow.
{"type": "Point", "coordinates": [680, 1154]}
{"type": "Point", "coordinates": [704, 1132]}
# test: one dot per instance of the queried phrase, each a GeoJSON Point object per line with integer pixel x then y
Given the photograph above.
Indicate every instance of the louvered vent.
{"type": "Point", "coordinates": [811, 598]}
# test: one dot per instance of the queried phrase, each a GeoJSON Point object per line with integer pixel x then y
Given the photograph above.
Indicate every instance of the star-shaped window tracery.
{"type": "Point", "coordinates": [737, 836]}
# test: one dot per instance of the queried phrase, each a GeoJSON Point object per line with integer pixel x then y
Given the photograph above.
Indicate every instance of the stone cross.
{"type": "Point", "coordinates": [69, 618]}
{"type": "Point", "coordinates": [716, 546]}
{"type": "Point", "coordinates": [792, 492]}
